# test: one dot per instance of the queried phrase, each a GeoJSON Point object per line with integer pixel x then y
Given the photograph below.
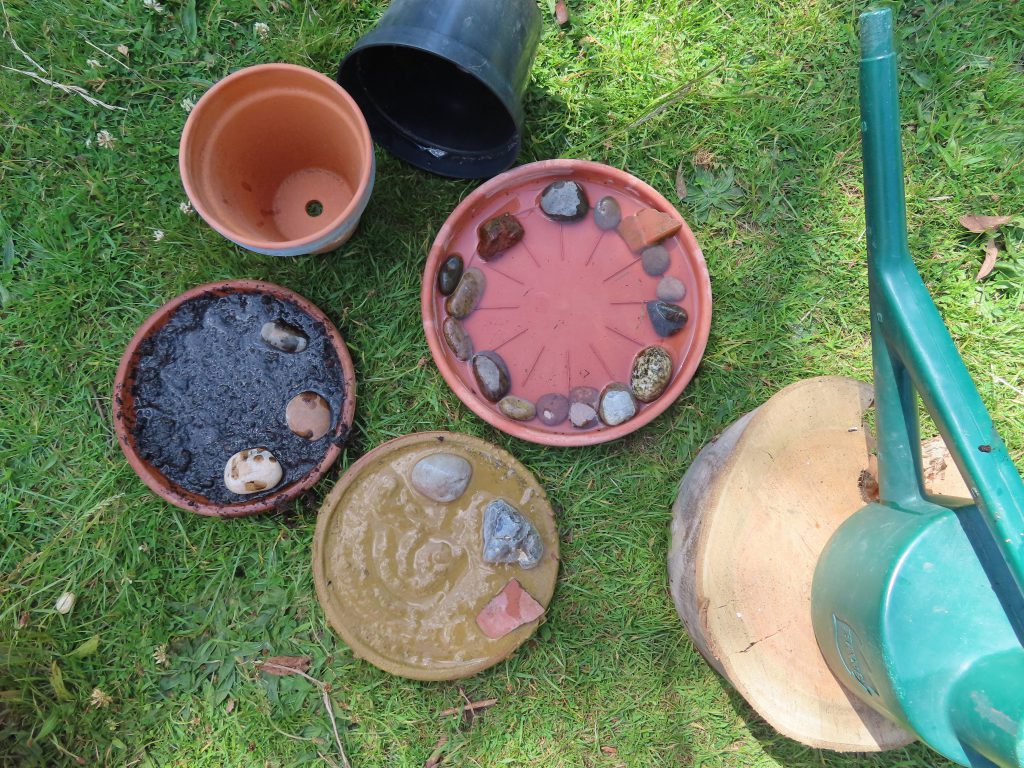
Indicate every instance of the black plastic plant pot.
{"type": "Point", "coordinates": [441, 83]}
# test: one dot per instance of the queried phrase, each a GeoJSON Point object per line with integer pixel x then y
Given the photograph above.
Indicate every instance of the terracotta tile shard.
{"type": "Point", "coordinates": [647, 227]}
{"type": "Point", "coordinates": [508, 610]}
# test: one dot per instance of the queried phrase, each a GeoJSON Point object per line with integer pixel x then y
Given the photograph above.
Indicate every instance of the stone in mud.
{"type": "Point", "coordinates": [617, 405]}
{"type": "Point", "coordinates": [652, 371]}
{"type": "Point", "coordinates": [498, 235]}
{"type": "Point", "coordinates": [491, 375]}
{"type": "Point", "coordinates": [458, 340]}
{"type": "Point", "coordinates": [467, 294]}
{"type": "Point", "coordinates": [251, 471]}
{"type": "Point", "coordinates": [582, 415]}
{"type": "Point", "coordinates": [667, 318]}
{"type": "Point", "coordinates": [284, 336]}
{"type": "Point", "coordinates": [509, 537]}
{"type": "Point", "coordinates": [517, 408]}
{"type": "Point", "coordinates": [647, 227]}
{"type": "Point", "coordinates": [564, 201]}
{"type": "Point", "coordinates": [552, 409]}
{"type": "Point", "coordinates": [671, 289]}
{"type": "Point", "coordinates": [449, 274]}
{"type": "Point", "coordinates": [607, 213]}
{"type": "Point", "coordinates": [442, 476]}
{"type": "Point", "coordinates": [655, 260]}
{"type": "Point", "coordinates": [508, 610]}
{"type": "Point", "coordinates": [308, 415]}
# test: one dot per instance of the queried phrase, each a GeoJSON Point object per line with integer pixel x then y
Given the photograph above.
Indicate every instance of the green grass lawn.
{"type": "Point", "coordinates": [758, 113]}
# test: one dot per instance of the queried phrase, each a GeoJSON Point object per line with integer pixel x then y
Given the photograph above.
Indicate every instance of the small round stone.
{"type": "Point", "coordinates": [671, 289]}
{"type": "Point", "coordinates": [607, 213]}
{"type": "Point", "coordinates": [449, 274]}
{"type": "Point", "coordinates": [251, 471]}
{"type": "Point", "coordinates": [467, 294]}
{"type": "Point", "coordinates": [552, 409]}
{"type": "Point", "coordinates": [517, 408]}
{"type": "Point", "coordinates": [458, 340]}
{"type": "Point", "coordinates": [617, 405]}
{"type": "Point", "coordinates": [587, 395]}
{"type": "Point", "coordinates": [582, 415]}
{"type": "Point", "coordinates": [283, 336]}
{"type": "Point", "coordinates": [655, 260]}
{"type": "Point", "coordinates": [564, 201]}
{"type": "Point", "coordinates": [491, 374]}
{"type": "Point", "coordinates": [308, 415]}
{"type": "Point", "coordinates": [442, 477]}
{"type": "Point", "coordinates": [652, 371]}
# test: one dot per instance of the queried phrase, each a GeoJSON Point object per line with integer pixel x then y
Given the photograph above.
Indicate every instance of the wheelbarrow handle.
{"type": "Point", "coordinates": [913, 352]}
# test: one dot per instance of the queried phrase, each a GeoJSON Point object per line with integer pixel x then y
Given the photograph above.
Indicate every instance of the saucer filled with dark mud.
{"type": "Point", "coordinates": [234, 398]}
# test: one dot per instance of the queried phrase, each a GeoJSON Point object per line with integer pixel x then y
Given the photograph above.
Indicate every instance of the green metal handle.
{"type": "Point", "coordinates": [912, 350]}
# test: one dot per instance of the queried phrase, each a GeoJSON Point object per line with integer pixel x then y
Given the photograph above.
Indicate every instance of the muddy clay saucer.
{"type": "Point", "coordinates": [565, 312]}
{"type": "Point", "coordinates": [416, 585]}
{"type": "Point", "coordinates": [234, 398]}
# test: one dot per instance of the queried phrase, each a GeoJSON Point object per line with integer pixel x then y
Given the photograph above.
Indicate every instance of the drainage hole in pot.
{"type": "Point", "coordinates": [314, 208]}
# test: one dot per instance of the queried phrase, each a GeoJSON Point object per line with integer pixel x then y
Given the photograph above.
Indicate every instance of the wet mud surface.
{"type": "Point", "coordinates": [207, 386]}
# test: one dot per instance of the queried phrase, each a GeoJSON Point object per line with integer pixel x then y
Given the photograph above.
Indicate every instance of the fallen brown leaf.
{"type": "Point", "coordinates": [980, 224]}
{"type": "Point", "coordinates": [610, 750]}
{"type": "Point", "coordinates": [437, 755]}
{"type": "Point", "coordinates": [991, 254]}
{"type": "Point", "coordinates": [286, 665]}
{"type": "Point", "coordinates": [681, 189]}
{"type": "Point", "coordinates": [472, 706]}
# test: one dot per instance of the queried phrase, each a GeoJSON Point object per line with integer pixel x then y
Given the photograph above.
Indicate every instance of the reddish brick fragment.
{"type": "Point", "coordinates": [647, 227]}
{"type": "Point", "coordinates": [508, 610]}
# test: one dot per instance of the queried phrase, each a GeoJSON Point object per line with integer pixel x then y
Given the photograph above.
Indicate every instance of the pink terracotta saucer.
{"type": "Point", "coordinates": [568, 305]}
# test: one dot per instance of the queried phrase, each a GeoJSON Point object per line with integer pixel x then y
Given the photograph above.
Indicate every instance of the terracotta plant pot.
{"type": "Point", "coordinates": [279, 160]}
{"type": "Point", "coordinates": [129, 394]}
{"type": "Point", "coordinates": [567, 307]}
{"type": "Point", "coordinates": [406, 579]}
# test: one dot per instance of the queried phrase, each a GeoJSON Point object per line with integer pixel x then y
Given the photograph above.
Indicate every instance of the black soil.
{"type": "Point", "coordinates": [207, 386]}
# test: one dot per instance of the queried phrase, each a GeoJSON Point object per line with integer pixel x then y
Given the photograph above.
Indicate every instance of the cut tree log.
{"type": "Point", "coordinates": [754, 512]}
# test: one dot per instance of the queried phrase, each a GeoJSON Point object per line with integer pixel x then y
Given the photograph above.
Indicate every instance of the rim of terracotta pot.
{"type": "Point", "coordinates": [205, 109]}
{"type": "Point", "coordinates": [482, 203]}
{"type": "Point", "coordinates": [124, 418]}
{"type": "Point", "coordinates": [370, 462]}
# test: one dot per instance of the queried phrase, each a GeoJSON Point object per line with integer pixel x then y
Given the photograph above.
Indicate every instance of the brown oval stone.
{"type": "Point", "coordinates": [458, 340]}
{"type": "Point", "coordinates": [467, 294]}
{"type": "Point", "coordinates": [308, 415]}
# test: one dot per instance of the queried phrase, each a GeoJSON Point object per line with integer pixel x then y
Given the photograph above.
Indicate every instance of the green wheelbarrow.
{"type": "Point", "coordinates": [858, 596]}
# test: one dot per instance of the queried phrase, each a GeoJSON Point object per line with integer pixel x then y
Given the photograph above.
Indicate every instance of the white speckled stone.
{"type": "Point", "coordinates": [251, 471]}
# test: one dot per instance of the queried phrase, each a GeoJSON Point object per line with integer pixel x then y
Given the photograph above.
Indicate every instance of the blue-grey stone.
{"type": "Point", "coordinates": [607, 213]}
{"type": "Point", "coordinates": [509, 538]}
{"type": "Point", "coordinates": [667, 318]}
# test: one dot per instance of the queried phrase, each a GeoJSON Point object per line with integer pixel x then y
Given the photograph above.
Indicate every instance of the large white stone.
{"type": "Point", "coordinates": [251, 471]}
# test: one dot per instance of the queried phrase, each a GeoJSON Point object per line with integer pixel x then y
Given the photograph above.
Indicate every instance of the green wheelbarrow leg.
{"type": "Point", "coordinates": [918, 602]}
